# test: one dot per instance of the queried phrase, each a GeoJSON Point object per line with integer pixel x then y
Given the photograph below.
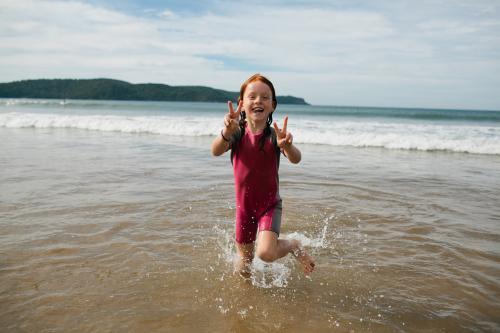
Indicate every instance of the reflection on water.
{"type": "Point", "coordinates": [106, 232]}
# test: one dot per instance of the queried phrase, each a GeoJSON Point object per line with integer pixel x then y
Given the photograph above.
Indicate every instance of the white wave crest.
{"type": "Point", "coordinates": [22, 101]}
{"type": "Point", "coordinates": [477, 139]}
{"type": "Point", "coordinates": [168, 125]}
{"type": "Point", "coordinates": [469, 138]}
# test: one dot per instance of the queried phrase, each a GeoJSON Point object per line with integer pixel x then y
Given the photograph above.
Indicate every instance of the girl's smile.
{"type": "Point", "coordinates": [257, 104]}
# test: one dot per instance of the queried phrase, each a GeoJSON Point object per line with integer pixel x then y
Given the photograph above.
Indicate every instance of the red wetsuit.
{"type": "Point", "coordinates": [258, 204]}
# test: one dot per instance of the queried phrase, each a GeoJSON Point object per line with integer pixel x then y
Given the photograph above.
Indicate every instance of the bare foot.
{"type": "Point", "coordinates": [243, 268]}
{"type": "Point", "coordinates": [302, 257]}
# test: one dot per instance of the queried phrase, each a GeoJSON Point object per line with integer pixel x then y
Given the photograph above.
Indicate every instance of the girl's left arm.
{"type": "Point", "coordinates": [292, 153]}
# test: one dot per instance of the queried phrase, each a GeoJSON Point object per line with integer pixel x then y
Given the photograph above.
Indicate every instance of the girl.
{"type": "Point", "coordinates": [255, 152]}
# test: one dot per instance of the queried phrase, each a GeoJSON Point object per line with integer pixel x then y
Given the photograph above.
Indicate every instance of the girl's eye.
{"type": "Point", "coordinates": [265, 97]}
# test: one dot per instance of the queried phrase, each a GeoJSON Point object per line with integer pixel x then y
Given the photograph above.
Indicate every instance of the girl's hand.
{"type": "Point", "coordinates": [231, 119]}
{"type": "Point", "coordinates": [283, 137]}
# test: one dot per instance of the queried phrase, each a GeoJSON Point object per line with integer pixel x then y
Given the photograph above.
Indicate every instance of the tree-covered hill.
{"type": "Point", "coordinates": [108, 89]}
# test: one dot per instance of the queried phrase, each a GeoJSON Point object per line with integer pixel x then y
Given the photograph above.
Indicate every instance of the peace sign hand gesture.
{"type": "Point", "coordinates": [231, 121]}
{"type": "Point", "coordinates": [283, 137]}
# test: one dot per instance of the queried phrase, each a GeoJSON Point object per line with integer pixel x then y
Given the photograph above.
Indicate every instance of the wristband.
{"type": "Point", "coordinates": [223, 137]}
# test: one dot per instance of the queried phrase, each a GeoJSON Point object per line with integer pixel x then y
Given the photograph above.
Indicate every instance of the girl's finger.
{"type": "Point", "coordinates": [240, 105]}
{"type": "Point", "coordinates": [278, 131]}
{"type": "Point", "coordinates": [285, 123]}
{"type": "Point", "coordinates": [230, 107]}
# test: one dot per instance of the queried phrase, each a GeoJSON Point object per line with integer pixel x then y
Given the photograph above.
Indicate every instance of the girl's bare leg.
{"type": "Point", "coordinates": [245, 253]}
{"type": "Point", "coordinates": [270, 248]}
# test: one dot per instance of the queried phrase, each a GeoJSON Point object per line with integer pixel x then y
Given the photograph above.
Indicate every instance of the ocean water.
{"type": "Point", "coordinates": [413, 129]}
{"type": "Point", "coordinates": [115, 217]}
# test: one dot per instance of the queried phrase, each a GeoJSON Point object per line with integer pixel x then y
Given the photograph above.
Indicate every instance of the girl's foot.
{"type": "Point", "coordinates": [302, 257]}
{"type": "Point", "coordinates": [243, 269]}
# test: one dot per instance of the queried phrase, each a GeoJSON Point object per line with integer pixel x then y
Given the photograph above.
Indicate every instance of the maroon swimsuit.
{"type": "Point", "coordinates": [258, 204]}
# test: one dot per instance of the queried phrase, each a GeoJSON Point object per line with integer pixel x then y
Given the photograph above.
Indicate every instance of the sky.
{"type": "Point", "coordinates": [396, 53]}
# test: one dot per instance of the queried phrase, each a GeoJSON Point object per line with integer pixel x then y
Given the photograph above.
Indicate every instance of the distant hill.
{"type": "Point", "coordinates": [108, 89]}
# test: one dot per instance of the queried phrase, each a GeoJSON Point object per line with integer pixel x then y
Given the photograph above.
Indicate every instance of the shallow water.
{"type": "Point", "coordinates": [105, 231]}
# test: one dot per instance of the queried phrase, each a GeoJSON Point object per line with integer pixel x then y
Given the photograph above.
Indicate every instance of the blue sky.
{"type": "Point", "coordinates": [440, 53]}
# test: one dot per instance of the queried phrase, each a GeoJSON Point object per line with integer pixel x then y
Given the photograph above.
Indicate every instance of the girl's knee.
{"type": "Point", "coordinates": [266, 255]}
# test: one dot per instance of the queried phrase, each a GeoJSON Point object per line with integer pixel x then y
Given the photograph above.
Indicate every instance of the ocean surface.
{"type": "Point", "coordinates": [114, 217]}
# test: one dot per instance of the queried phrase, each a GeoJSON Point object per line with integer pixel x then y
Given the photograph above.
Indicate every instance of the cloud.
{"type": "Point", "coordinates": [319, 51]}
{"type": "Point", "coordinates": [78, 33]}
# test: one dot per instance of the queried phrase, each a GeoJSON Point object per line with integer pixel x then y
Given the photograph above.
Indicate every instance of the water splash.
{"type": "Point", "coordinates": [320, 241]}
{"type": "Point", "coordinates": [264, 275]}
{"type": "Point", "coordinates": [270, 275]}
{"type": "Point", "coordinates": [225, 243]}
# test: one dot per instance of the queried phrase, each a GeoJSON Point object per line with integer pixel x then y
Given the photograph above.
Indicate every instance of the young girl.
{"type": "Point", "coordinates": [255, 152]}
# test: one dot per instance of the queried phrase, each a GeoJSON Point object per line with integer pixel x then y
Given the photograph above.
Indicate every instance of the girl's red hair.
{"type": "Point", "coordinates": [263, 79]}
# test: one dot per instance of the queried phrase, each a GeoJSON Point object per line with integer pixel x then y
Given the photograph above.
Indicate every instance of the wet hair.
{"type": "Point", "coordinates": [269, 121]}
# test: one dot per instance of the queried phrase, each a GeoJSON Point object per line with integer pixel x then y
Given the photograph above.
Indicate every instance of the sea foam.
{"type": "Point", "coordinates": [468, 138]}
{"type": "Point", "coordinates": [167, 125]}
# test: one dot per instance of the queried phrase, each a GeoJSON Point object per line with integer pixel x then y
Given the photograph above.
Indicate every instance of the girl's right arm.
{"type": "Point", "coordinates": [231, 125]}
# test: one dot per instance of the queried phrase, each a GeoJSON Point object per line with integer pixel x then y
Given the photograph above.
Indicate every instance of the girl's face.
{"type": "Point", "coordinates": [258, 102]}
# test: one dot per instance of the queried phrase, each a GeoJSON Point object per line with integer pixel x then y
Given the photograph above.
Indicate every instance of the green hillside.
{"type": "Point", "coordinates": [108, 89]}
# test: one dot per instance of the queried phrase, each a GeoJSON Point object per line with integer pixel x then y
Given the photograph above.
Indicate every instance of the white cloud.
{"type": "Point", "coordinates": [308, 51]}
{"type": "Point", "coordinates": [167, 14]}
